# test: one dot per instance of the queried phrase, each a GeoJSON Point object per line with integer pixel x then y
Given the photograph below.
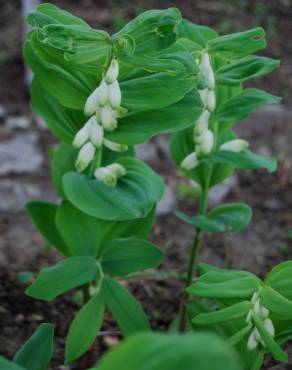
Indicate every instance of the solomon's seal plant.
{"type": "Point", "coordinates": [102, 94]}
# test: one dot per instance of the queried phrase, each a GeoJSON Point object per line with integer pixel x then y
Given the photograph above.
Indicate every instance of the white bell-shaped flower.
{"type": "Point", "coordinates": [113, 72]}
{"type": "Point", "coordinates": [114, 95]}
{"type": "Point", "coordinates": [202, 122]}
{"type": "Point", "coordinates": [91, 103]}
{"type": "Point", "coordinates": [96, 134]}
{"type": "Point", "coordinates": [115, 147]}
{"type": "Point", "coordinates": [211, 79]}
{"type": "Point", "coordinates": [85, 156]}
{"type": "Point", "coordinates": [190, 162]}
{"type": "Point", "coordinates": [211, 100]}
{"type": "Point", "coordinates": [107, 118]}
{"type": "Point", "coordinates": [102, 95]}
{"type": "Point", "coordinates": [104, 175]}
{"type": "Point", "coordinates": [252, 342]}
{"type": "Point", "coordinates": [205, 64]}
{"type": "Point", "coordinates": [203, 95]}
{"type": "Point", "coordinates": [117, 169]}
{"type": "Point", "coordinates": [268, 324]}
{"type": "Point", "coordinates": [83, 134]}
{"type": "Point", "coordinates": [206, 144]}
{"type": "Point", "coordinates": [236, 145]}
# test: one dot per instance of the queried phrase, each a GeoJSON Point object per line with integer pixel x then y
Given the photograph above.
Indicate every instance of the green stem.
{"type": "Point", "coordinates": [192, 266]}
{"type": "Point", "coordinates": [96, 161]}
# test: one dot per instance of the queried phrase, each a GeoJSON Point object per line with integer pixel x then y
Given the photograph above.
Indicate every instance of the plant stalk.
{"type": "Point", "coordinates": [192, 266]}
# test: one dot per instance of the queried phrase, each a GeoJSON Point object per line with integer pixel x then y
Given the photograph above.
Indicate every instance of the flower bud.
{"type": "Point", "coordinates": [104, 175]}
{"type": "Point", "coordinates": [203, 95]}
{"type": "Point", "coordinates": [102, 94]}
{"type": "Point", "coordinates": [113, 72]}
{"type": "Point", "coordinates": [211, 100]}
{"type": "Point", "coordinates": [117, 169]}
{"type": "Point", "coordinates": [205, 64]}
{"type": "Point", "coordinates": [85, 156]}
{"type": "Point", "coordinates": [268, 324]}
{"type": "Point", "coordinates": [115, 147]}
{"type": "Point", "coordinates": [114, 95]}
{"type": "Point", "coordinates": [264, 312]}
{"type": "Point", "coordinates": [107, 118]}
{"type": "Point", "coordinates": [91, 103]}
{"type": "Point", "coordinates": [82, 135]}
{"type": "Point", "coordinates": [206, 144]}
{"type": "Point", "coordinates": [252, 341]}
{"type": "Point", "coordinates": [96, 134]}
{"type": "Point", "coordinates": [202, 122]}
{"type": "Point", "coordinates": [190, 162]}
{"type": "Point", "coordinates": [236, 145]}
{"type": "Point", "coordinates": [211, 79]}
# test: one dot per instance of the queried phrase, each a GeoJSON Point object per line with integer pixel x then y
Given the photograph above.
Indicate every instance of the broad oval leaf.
{"type": "Point", "coordinates": [65, 275]}
{"type": "Point", "coordinates": [126, 310]}
{"type": "Point", "coordinates": [280, 279]}
{"type": "Point", "coordinates": [276, 302]}
{"type": "Point", "coordinates": [43, 216]}
{"type": "Point", "coordinates": [139, 127]}
{"type": "Point", "coordinates": [122, 256]}
{"type": "Point", "coordinates": [156, 351]}
{"type": "Point", "coordinates": [133, 197]}
{"type": "Point", "coordinates": [37, 351]}
{"type": "Point", "coordinates": [84, 328]}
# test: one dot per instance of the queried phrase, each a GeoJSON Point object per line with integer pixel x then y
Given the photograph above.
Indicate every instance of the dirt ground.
{"type": "Point", "coordinates": [264, 243]}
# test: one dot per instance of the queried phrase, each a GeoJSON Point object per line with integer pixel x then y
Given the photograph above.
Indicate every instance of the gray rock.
{"type": "Point", "coordinates": [17, 122]}
{"type": "Point", "coordinates": [15, 194]}
{"type": "Point", "coordinates": [219, 192]}
{"type": "Point", "coordinates": [167, 205]}
{"type": "Point", "coordinates": [146, 152]}
{"type": "Point", "coordinates": [20, 154]}
{"type": "Point", "coordinates": [3, 112]}
{"type": "Point", "coordinates": [162, 145]}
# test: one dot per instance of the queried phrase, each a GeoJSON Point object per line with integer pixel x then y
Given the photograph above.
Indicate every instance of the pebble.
{"type": "Point", "coordinates": [20, 154]}
{"type": "Point", "coordinates": [17, 122]}
{"type": "Point", "coordinates": [168, 203]}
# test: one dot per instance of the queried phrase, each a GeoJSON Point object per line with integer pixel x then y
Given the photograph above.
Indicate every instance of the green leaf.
{"type": "Point", "coordinates": [133, 197]}
{"type": "Point", "coordinates": [154, 91]}
{"type": "Point", "coordinates": [245, 160]}
{"type": "Point", "coordinates": [80, 231]}
{"type": "Point", "coordinates": [249, 67]}
{"type": "Point", "coordinates": [125, 309]}
{"type": "Point", "coordinates": [233, 312]}
{"type": "Point", "coordinates": [222, 218]}
{"type": "Point", "coordinates": [63, 123]}
{"type": "Point", "coordinates": [221, 284]}
{"type": "Point", "coordinates": [139, 127]}
{"type": "Point", "coordinates": [272, 345]}
{"type": "Point", "coordinates": [65, 275]}
{"type": "Point", "coordinates": [196, 33]}
{"type": "Point", "coordinates": [84, 328]}
{"type": "Point", "coordinates": [237, 337]}
{"type": "Point", "coordinates": [8, 365]}
{"type": "Point", "coordinates": [248, 100]}
{"type": "Point", "coordinates": [280, 279]}
{"type": "Point", "coordinates": [152, 30]}
{"type": "Point", "coordinates": [122, 256]}
{"type": "Point", "coordinates": [38, 350]}
{"type": "Point", "coordinates": [276, 302]}
{"type": "Point", "coordinates": [54, 15]}
{"type": "Point", "coordinates": [156, 351]}
{"type": "Point", "coordinates": [43, 216]}
{"type": "Point", "coordinates": [240, 44]}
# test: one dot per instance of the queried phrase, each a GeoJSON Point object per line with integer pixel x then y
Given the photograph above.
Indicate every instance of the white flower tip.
{"type": "Point", "coordinates": [102, 94]}
{"type": "Point", "coordinates": [206, 143]}
{"type": "Point", "coordinates": [252, 342]}
{"type": "Point", "coordinates": [190, 162]}
{"type": "Point", "coordinates": [85, 156]}
{"type": "Point", "coordinates": [115, 147]}
{"type": "Point", "coordinates": [236, 145]}
{"type": "Point", "coordinates": [96, 134]}
{"type": "Point", "coordinates": [114, 95]}
{"type": "Point", "coordinates": [211, 100]}
{"type": "Point", "coordinates": [107, 118]}
{"type": "Point", "coordinates": [82, 135]}
{"type": "Point", "coordinates": [113, 72]}
{"type": "Point", "coordinates": [268, 324]}
{"type": "Point", "coordinates": [202, 122]}
{"type": "Point", "coordinates": [91, 104]}
{"type": "Point", "coordinates": [117, 169]}
{"type": "Point", "coordinates": [103, 174]}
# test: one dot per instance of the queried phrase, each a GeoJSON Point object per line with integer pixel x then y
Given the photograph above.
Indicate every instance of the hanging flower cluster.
{"type": "Point", "coordinates": [263, 314]}
{"type": "Point", "coordinates": [203, 136]}
{"type": "Point", "coordinates": [103, 106]}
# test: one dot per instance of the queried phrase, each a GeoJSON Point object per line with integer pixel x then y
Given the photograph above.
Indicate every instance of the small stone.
{"type": "Point", "coordinates": [14, 195]}
{"type": "Point", "coordinates": [167, 204]}
{"type": "Point", "coordinates": [35, 317]}
{"type": "Point", "coordinates": [3, 112]}
{"type": "Point", "coordinates": [19, 317]}
{"type": "Point", "coordinates": [146, 152]}
{"type": "Point", "coordinates": [16, 123]}
{"type": "Point", "coordinates": [20, 154]}
{"type": "Point", "coordinates": [2, 309]}
{"type": "Point", "coordinates": [110, 341]}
